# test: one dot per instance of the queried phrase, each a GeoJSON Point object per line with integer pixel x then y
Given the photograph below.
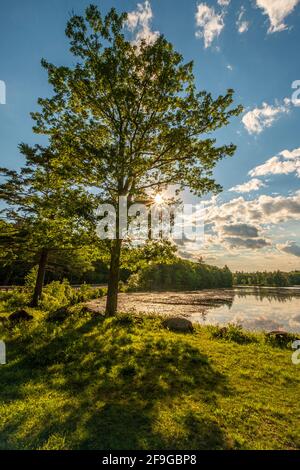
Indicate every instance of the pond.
{"type": "Point", "coordinates": [254, 308]}
{"type": "Point", "coordinates": [259, 309]}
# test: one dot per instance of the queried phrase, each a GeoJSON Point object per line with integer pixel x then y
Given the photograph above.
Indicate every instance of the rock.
{"type": "Point", "coordinates": [94, 307]}
{"type": "Point", "coordinates": [20, 315]}
{"type": "Point", "coordinates": [277, 333]}
{"type": "Point", "coordinates": [59, 315]}
{"type": "Point", "coordinates": [179, 324]}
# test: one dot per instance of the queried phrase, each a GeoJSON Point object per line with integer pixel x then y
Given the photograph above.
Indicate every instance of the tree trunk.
{"type": "Point", "coordinates": [8, 276]}
{"type": "Point", "coordinates": [40, 278]}
{"type": "Point", "coordinates": [113, 279]}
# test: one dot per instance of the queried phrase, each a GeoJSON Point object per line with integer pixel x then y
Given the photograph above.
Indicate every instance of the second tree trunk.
{"type": "Point", "coordinates": [40, 278]}
{"type": "Point", "coordinates": [113, 280]}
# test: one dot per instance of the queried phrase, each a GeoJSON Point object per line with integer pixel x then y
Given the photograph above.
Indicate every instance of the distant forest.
{"type": "Point", "coordinates": [178, 274]}
{"type": "Point", "coordinates": [275, 278]}
{"type": "Point", "coordinates": [188, 275]}
{"type": "Point", "coordinates": [181, 275]}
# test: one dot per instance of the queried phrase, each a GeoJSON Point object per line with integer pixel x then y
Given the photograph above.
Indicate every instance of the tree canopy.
{"type": "Point", "coordinates": [125, 120]}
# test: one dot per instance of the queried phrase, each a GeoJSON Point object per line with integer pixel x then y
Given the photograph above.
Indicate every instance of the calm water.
{"type": "Point", "coordinates": [254, 308]}
{"type": "Point", "coordinates": [258, 309]}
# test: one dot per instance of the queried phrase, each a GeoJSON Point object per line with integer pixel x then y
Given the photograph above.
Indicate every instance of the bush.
{"type": "Point", "coordinates": [30, 278]}
{"type": "Point", "coordinates": [15, 299]}
{"type": "Point", "coordinates": [134, 283]}
{"type": "Point", "coordinates": [58, 315]}
{"type": "Point", "coordinates": [232, 332]}
{"type": "Point", "coordinates": [55, 295]}
{"type": "Point", "coordinates": [122, 286]}
{"type": "Point", "coordinates": [60, 294]}
{"type": "Point", "coordinates": [85, 293]}
{"type": "Point", "coordinates": [280, 341]}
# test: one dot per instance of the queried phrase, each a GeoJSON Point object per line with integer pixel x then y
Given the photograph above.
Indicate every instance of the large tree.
{"type": "Point", "coordinates": [129, 120]}
{"type": "Point", "coordinates": [44, 211]}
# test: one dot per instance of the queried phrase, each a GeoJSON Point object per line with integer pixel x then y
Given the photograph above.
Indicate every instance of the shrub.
{"type": "Point", "coordinates": [134, 283]}
{"type": "Point", "coordinates": [85, 293]}
{"type": "Point", "coordinates": [15, 299]}
{"type": "Point", "coordinates": [232, 332]}
{"type": "Point", "coordinates": [60, 294]}
{"type": "Point", "coordinates": [55, 295]}
{"type": "Point", "coordinates": [282, 341]}
{"type": "Point", "coordinates": [122, 286]}
{"type": "Point", "coordinates": [30, 278]}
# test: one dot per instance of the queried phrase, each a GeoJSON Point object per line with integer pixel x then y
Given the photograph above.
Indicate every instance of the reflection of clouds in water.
{"type": "Point", "coordinates": [260, 314]}
{"type": "Point", "coordinates": [252, 308]}
{"type": "Point", "coordinates": [257, 323]}
{"type": "Point", "coordinates": [199, 317]}
{"type": "Point", "coordinates": [296, 319]}
{"type": "Point", "coordinates": [295, 322]}
{"type": "Point", "coordinates": [254, 323]}
{"type": "Point", "coordinates": [253, 316]}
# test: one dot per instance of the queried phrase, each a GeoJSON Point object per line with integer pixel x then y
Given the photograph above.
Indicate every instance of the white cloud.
{"type": "Point", "coordinates": [241, 24]}
{"type": "Point", "coordinates": [252, 185]}
{"type": "Point", "coordinates": [229, 67]}
{"type": "Point", "coordinates": [209, 23]}
{"type": "Point", "coordinates": [139, 22]}
{"type": "Point", "coordinates": [283, 164]}
{"type": "Point", "coordinates": [277, 11]}
{"type": "Point", "coordinates": [256, 120]}
{"type": "Point", "coordinates": [291, 154]}
{"type": "Point", "coordinates": [290, 247]}
{"type": "Point", "coordinates": [258, 212]}
{"type": "Point", "coordinates": [242, 225]}
{"type": "Point", "coordinates": [224, 3]}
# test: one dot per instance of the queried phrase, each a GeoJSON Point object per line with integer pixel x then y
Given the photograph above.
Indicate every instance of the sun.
{"type": "Point", "coordinates": [158, 199]}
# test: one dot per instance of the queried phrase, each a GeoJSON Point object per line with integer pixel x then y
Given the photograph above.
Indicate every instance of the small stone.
{"type": "Point", "coordinates": [20, 315]}
{"type": "Point", "coordinates": [94, 308]}
{"type": "Point", "coordinates": [277, 333]}
{"type": "Point", "coordinates": [59, 315]}
{"type": "Point", "coordinates": [179, 324]}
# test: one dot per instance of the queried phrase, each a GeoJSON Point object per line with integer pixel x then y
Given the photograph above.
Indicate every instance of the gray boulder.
{"type": "Point", "coordinates": [179, 324]}
{"type": "Point", "coordinates": [20, 315]}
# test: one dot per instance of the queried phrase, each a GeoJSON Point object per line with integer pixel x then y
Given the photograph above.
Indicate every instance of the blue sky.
{"type": "Point", "coordinates": [251, 46]}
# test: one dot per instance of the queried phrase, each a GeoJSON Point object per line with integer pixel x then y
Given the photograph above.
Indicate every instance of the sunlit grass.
{"type": "Point", "coordinates": [126, 382]}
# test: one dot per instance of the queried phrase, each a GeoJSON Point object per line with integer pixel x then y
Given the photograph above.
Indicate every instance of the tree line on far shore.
{"type": "Point", "coordinates": [180, 275]}
{"type": "Point", "coordinates": [165, 273]}
{"type": "Point", "coordinates": [275, 278]}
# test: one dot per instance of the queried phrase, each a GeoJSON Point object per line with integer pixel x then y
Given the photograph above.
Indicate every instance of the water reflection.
{"type": "Point", "coordinates": [259, 309]}
{"type": "Point", "coordinates": [252, 307]}
{"type": "Point", "coordinates": [260, 293]}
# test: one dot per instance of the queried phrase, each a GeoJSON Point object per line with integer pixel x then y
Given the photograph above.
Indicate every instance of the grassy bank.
{"type": "Point", "coordinates": [127, 383]}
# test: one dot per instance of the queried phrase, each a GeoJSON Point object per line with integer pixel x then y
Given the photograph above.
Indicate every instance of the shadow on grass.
{"type": "Point", "coordinates": [122, 386]}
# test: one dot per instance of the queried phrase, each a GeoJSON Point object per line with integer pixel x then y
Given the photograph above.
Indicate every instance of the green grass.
{"type": "Point", "coordinates": [127, 383]}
